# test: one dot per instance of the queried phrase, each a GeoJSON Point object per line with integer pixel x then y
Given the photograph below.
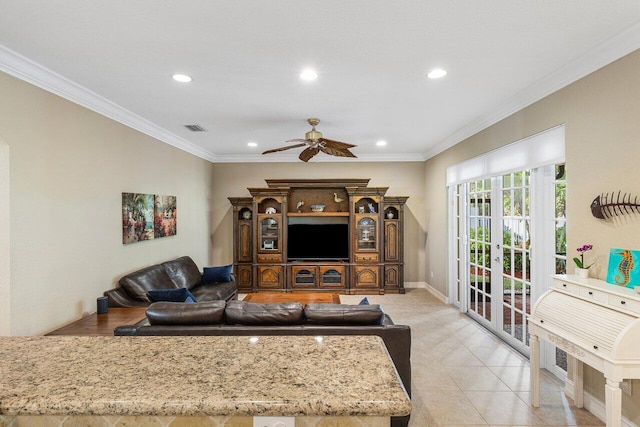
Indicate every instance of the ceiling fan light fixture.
{"type": "Point", "coordinates": [437, 73]}
{"type": "Point", "coordinates": [315, 143]}
{"type": "Point", "coordinates": [308, 75]}
{"type": "Point", "coordinates": [182, 78]}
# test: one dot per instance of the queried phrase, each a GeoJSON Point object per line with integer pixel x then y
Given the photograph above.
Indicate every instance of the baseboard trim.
{"type": "Point", "coordinates": [415, 285]}
{"type": "Point", "coordinates": [424, 285]}
{"type": "Point", "coordinates": [594, 405]}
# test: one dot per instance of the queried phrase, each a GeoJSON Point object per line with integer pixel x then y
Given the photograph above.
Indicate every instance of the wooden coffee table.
{"type": "Point", "coordinates": [303, 298]}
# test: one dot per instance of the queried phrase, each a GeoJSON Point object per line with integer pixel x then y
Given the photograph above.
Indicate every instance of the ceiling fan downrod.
{"type": "Point", "coordinates": [313, 134]}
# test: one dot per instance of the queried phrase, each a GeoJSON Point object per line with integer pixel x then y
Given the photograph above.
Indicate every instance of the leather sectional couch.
{"type": "Point", "coordinates": [242, 318]}
{"type": "Point", "coordinates": [178, 273]}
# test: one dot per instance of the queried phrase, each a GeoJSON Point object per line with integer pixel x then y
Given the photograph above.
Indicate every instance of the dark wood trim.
{"type": "Point", "coordinates": [318, 183]}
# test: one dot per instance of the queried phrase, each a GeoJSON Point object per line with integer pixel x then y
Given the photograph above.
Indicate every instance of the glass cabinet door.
{"type": "Point", "coordinates": [269, 234]}
{"type": "Point", "coordinates": [366, 229]}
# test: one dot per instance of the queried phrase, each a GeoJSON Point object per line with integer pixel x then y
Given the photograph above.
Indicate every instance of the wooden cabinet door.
{"type": "Point", "coordinates": [332, 277]}
{"type": "Point", "coordinates": [391, 275]}
{"type": "Point", "coordinates": [366, 233]}
{"type": "Point", "coordinates": [244, 277]}
{"type": "Point", "coordinates": [391, 241]}
{"type": "Point", "coordinates": [270, 277]}
{"type": "Point", "coordinates": [245, 241]}
{"type": "Point", "coordinates": [304, 277]}
{"type": "Point", "coordinates": [366, 277]}
{"type": "Point", "coordinates": [269, 234]}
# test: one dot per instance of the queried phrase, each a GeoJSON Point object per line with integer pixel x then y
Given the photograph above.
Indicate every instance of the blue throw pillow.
{"type": "Point", "coordinates": [365, 301]}
{"type": "Point", "coordinates": [173, 295]}
{"type": "Point", "coordinates": [216, 274]}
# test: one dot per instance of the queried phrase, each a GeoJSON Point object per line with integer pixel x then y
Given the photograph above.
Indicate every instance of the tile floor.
{"type": "Point", "coordinates": [464, 375]}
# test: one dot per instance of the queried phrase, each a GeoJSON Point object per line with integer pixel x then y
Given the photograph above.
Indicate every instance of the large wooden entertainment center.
{"type": "Point", "coordinates": [354, 246]}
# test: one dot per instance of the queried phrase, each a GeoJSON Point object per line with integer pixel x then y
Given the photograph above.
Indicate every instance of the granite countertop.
{"type": "Point", "coordinates": [199, 375]}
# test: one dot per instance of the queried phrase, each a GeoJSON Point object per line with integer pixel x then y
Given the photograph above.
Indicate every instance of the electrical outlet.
{"type": "Point", "coordinates": [274, 422]}
{"type": "Point", "coordinates": [625, 385]}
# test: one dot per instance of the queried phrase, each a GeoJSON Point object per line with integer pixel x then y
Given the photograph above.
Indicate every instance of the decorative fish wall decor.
{"type": "Point", "coordinates": [607, 206]}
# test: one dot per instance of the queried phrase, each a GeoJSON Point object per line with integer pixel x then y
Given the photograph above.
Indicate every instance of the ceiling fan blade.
{"type": "Point", "coordinates": [308, 153]}
{"type": "Point", "coordinates": [297, 140]}
{"type": "Point", "coordinates": [275, 150]}
{"type": "Point", "coordinates": [336, 144]}
{"type": "Point", "coordinates": [339, 152]}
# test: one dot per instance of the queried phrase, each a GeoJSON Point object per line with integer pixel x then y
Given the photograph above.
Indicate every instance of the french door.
{"type": "Point", "coordinates": [499, 255]}
{"type": "Point", "coordinates": [508, 237]}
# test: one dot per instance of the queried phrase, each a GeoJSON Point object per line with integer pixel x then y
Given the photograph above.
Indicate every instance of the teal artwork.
{"type": "Point", "coordinates": [624, 267]}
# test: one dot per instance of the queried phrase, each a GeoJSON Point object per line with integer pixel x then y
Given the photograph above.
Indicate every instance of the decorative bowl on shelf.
{"type": "Point", "coordinates": [317, 208]}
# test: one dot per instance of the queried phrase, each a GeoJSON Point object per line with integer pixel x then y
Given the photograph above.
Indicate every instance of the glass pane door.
{"type": "Point", "coordinates": [516, 257]}
{"type": "Point", "coordinates": [559, 367]}
{"type": "Point", "coordinates": [479, 226]}
{"type": "Point", "coordinates": [366, 231]}
{"type": "Point", "coordinates": [269, 234]}
{"type": "Point", "coordinates": [499, 255]}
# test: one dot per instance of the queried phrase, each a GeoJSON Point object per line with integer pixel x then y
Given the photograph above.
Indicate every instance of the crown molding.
{"type": "Point", "coordinates": [587, 63]}
{"type": "Point", "coordinates": [25, 69]}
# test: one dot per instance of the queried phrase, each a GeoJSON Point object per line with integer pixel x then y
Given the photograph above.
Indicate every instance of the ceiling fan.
{"type": "Point", "coordinates": [316, 143]}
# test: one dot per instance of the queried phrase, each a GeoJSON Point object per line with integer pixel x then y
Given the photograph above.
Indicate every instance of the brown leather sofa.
{"type": "Point", "coordinates": [242, 318]}
{"type": "Point", "coordinates": [178, 273]}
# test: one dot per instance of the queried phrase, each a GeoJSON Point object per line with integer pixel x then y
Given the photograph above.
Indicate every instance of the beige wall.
{"type": "Point", "coordinates": [403, 179]}
{"type": "Point", "coordinates": [68, 168]}
{"type": "Point", "coordinates": [5, 246]}
{"type": "Point", "coordinates": [602, 117]}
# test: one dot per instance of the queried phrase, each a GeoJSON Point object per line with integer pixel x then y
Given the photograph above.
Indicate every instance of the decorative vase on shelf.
{"type": "Point", "coordinates": [582, 272]}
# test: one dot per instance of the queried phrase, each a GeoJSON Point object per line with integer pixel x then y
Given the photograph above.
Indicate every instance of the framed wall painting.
{"type": "Point", "coordinates": [164, 220]}
{"type": "Point", "coordinates": [624, 267]}
{"type": "Point", "coordinates": [147, 217]}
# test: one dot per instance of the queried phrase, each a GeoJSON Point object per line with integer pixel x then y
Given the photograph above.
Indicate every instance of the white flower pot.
{"type": "Point", "coordinates": [582, 272]}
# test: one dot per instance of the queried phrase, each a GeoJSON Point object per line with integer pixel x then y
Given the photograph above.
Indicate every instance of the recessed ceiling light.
{"type": "Point", "coordinates": [437, 73]}
{"type": "Point", "coordinates": [381, 143]}
{"type": "Point", "coordinates": [308, 75]}
{"type": "Point", "coordinates": [182, 78]}
{"type": "Point", "coordinates": [252, 144]}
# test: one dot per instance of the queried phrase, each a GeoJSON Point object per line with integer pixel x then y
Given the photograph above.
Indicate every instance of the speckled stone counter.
{"type": "Point", "coordinates": [198, 376]}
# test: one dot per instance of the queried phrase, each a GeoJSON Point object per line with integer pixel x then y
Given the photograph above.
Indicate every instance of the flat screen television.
{"type": "Point", "coordinates": [318, 242]}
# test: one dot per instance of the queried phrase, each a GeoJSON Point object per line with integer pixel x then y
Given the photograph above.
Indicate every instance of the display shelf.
{"type": "Point", "coordinates": [324, 214]}
{"type": "Point", "coordinates": [364, 256]}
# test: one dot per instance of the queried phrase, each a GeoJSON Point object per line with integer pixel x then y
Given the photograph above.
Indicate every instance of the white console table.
{"type": "Point", "coordinates": [595, 322]}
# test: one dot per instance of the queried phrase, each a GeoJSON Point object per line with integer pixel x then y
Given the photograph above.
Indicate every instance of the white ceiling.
{"type": "Point", "coordinates": [117, 57]}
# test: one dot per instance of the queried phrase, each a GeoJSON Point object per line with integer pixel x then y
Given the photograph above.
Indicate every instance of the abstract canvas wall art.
{"type": "Point", "coordinates": [147, 217]}
{"type": "Point", "coordinates": [624, 267]}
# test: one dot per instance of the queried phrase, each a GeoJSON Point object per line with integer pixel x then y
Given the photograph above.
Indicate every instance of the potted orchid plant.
{"type": "Point", "coordinates": [582, 270]}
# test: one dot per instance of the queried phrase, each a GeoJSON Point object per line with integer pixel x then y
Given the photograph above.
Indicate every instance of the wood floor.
{"type": "Point", "coordinates": [303, 298]}
{"type": "Point", "coordinates": [102, 324]}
